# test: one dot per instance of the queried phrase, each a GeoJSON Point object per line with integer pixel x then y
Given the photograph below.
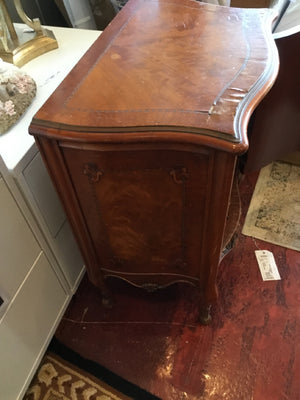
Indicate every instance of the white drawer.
{"type": "Point", "coordinates": [44, 194]}
{"type": "Point", "coordinates": [27, 327]}
{"type": "Point", "coordinates": [18, 247]}
{"type": "Point", "coordinates": [69, 256]}
{"type": "Point", "coordinates": [37, 187]}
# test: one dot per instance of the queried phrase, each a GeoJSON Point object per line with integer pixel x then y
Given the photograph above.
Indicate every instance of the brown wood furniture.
{"type": "Point", "coordinates": [142, 137]}
{"type": "Point", "coordinates": [275, 124]}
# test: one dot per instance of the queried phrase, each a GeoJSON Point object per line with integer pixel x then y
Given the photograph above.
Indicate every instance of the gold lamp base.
{"type": "Point", "coordinates": [20, 47]}
{"type": "Point", "coordinates": [32, 48]}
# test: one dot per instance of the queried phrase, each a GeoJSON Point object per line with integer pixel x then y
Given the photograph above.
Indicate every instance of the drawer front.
{"type": "Point", "coordinates": [18, 247]}
{"type": "Point", "coordinates": [67, 252]}
{"type": "Point", "coordinates": [146, 210]}
{"type": "Point", "coordinates": [42, 190]}
{"type": "Point", "coordinates": [39, 190]}
{"type": "Point", "coordinates": [27, 326]}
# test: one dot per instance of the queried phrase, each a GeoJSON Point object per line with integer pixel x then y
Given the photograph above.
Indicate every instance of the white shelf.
{"type": "Point", "coordinates": [48, 71]}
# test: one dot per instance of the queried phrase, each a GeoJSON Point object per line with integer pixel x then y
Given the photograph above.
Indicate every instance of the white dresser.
{"type": "Point", "coordinates": [40, 263]}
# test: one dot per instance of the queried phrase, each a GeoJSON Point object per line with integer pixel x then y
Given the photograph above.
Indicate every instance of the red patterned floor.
{"type": "Point", "coordinates": [250, 352]}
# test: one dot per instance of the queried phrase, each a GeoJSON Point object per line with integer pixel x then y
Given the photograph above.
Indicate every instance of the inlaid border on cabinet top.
{"type": "Point", "coordinates": [178, 66]}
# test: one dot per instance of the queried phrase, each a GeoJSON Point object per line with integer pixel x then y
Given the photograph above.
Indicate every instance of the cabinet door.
{"type": "Point", "coordinates": [146, 210]}
{"type": "Point", "coordinates": [46, 206]}
{"type": "Point", "coordinates": [43, 193]}
{"type": "Point", "coordinates": [27, 327]}
{"type": "Point", "coordinates": [18, 247]}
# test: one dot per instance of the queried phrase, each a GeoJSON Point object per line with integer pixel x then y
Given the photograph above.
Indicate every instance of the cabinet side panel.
{"type": "Point", "coordinates": [56, 167]}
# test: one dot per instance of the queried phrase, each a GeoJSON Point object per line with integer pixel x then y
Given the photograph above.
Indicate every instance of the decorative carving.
{"type": "Point", "coordinates": [92, 172]}
{"type": "Point", "coordinates": [151, 287]}
{"type": "Point", "coordinates": [179, 174]}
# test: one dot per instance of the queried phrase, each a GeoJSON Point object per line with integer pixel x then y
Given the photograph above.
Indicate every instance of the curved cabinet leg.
{"type": "Point", "coordinates": [205, 313]}
{"type": "Point", "coordinates": [106, 295]}
{"type": "Point", "coordinates": [104, 292]}
{"type": "Point", "coordinates": [208, 299]}
{"type": "Point", "coordinates": [107, 299]}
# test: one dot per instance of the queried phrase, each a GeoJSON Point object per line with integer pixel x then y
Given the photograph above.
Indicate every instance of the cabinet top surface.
{"type": "Point", "coordinates": [169, 65]}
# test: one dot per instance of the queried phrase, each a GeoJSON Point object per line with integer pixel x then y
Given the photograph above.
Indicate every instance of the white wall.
{"type": "Point", "coordinates": [80, 14]}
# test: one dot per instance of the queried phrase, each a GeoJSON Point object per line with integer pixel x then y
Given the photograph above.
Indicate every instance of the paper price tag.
{"type": "Point", "coordinates": [267, 265]}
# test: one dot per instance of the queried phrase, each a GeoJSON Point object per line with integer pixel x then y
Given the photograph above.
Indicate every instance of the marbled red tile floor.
{"type": "Point", "coordinates": [251, 351]}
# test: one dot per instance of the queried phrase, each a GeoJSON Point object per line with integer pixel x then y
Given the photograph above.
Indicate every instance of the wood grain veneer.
{"type": "Point", "coordinates": [141, 139]}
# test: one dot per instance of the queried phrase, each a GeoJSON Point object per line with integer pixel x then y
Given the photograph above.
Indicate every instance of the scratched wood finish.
{"type": "Point", "coordinates": [174, 66]}
{"type": "Point", "coordinates": [141, 139]}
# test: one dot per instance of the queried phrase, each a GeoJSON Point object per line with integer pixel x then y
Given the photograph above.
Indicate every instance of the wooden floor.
{"type": "Point", "coordinates": [250, 352]}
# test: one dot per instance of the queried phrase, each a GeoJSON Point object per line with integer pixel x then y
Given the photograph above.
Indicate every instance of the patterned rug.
{"type": "Point", "coordinates": [274, 212]}
{"type": "Point", "coordinates": [81, 379]}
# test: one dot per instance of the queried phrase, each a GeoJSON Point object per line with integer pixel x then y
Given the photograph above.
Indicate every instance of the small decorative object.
{"type": "Point", "coordinates": [17, 89]}
{"type": "Point", "coordinates": [20, 47]}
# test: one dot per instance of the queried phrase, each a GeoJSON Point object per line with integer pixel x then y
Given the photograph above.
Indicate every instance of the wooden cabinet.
{"type": "Point", "coordinates": [142, 137]}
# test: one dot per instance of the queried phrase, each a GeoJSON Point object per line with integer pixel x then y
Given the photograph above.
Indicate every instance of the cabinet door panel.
{"type": "Point", "coordinates": [145, 209]}
{"type": "Point", "coordinates": [41, 187]}
{"type": "Point", "coordinates": [27, 326]}
{"type": "Point", "coordinates": [69, 255]}
{"type": "Point", "coordinates": [40, 193]}
{"type": "Point", "coordinates": [18, 247]}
